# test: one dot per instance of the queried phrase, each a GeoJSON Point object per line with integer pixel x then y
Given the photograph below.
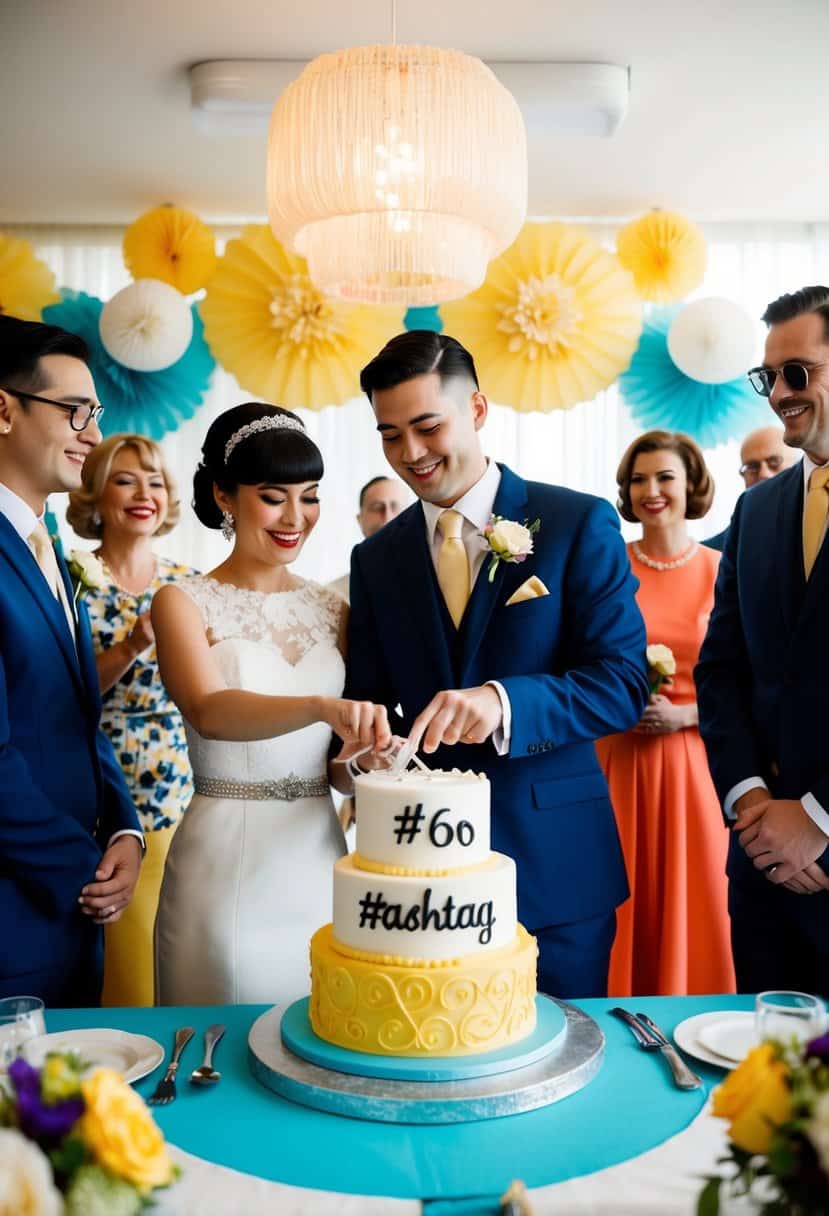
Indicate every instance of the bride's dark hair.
{"type": "Point", "coordinates": [282, 456]}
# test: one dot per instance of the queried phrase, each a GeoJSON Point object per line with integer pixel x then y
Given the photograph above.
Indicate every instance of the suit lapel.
{"type": "Point", "coordinates": [83, 636]}
{"type": "Point", "coordinates": [790, 547]}
{"type": "Point", "coordinates": [419, 593]}
{"type": "Point", "coordinates": [510, 503]}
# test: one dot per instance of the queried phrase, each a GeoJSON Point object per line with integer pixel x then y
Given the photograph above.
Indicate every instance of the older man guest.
{"type": "Point", "coordinates": [763, 675]}
{"type": "Point", "coordinates": [381, 499]}
{"type": "Point", "coordinates": [763, 454]}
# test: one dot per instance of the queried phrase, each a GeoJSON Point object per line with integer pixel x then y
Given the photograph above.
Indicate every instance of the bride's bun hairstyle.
{"type": "Point", "coordinates": [250, 445]}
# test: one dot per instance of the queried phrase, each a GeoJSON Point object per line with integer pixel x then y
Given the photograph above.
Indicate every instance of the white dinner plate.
{"type": "Point", "coordinates": [133, 1055]}
{"type": "Point", "coordinates": [697, 1035]}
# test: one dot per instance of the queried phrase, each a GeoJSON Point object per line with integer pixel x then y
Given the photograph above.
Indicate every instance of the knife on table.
{"type": "Point", "coordinates": [684, 1076]}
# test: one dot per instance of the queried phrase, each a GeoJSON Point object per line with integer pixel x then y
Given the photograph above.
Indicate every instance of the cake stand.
{"type": "Point", "coordinates": [563, 1055]}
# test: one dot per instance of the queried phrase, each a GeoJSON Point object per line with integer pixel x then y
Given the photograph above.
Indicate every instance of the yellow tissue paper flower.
{"type": "Point", "coordinates": [27, 285]}
{"type": "Point", "coordinates": [665, 253]}
{"type": "Point", "coordinates": [173, 245]}
{"type": "Point", "coordinates": [283, 340]}
{"type": "Point", "coordinates": [754, 1098]}
{"type": "Point", "coordinates": [555, 322]}
{"type": "Point", "coordinates": [121, 1133]}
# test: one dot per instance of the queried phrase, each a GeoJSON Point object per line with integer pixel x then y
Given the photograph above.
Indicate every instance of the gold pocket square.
{"type": "Point", "coordinates": [530, 590]}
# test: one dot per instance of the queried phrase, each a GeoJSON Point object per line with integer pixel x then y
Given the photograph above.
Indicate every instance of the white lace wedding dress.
{"type": "Point", "coordinates": [248, 878]}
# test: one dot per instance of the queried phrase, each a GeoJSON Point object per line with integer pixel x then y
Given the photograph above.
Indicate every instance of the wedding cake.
{"type": "Point", "coordinates": [425, 956]}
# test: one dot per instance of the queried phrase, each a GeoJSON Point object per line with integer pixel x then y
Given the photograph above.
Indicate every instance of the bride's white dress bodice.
{"type": "Point", "coordinates": [280, 644]}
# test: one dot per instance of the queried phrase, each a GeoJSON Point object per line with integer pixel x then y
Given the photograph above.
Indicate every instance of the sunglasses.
{"type": "Point", "coordinates": [795, 375]}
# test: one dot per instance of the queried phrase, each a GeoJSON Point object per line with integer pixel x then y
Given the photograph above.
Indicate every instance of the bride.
{"type": "Point", "coordinates": [253, 657]}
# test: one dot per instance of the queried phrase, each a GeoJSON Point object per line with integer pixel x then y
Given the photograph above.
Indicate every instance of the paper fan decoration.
{"type": "Point", "coordinates": [173, 245]}
{"type": "Point", "coordinates": [713, 340]}
{"type": "Point", "coordinates": [555, 322]}
{"type": "Point", "coordinates": [665, 253]}
{"type": "Point", "coordinates": [285, 342]}
{"type": "Point", "coordinates": [147, 403]}
{"type": "Point", "coordinates": [426, 317]}
{"type": "Point", "coordinates": [27, 285]}
{"type": "Point", "coordinates": [147, 326]}
{"type": "Point", "coordinates": [662, 397]}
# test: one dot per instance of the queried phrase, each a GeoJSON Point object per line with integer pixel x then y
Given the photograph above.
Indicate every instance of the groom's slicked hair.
{"type": "Point", "coordinates": [24, 343]}
{"type": "Point", "coordinates": [418, 353]}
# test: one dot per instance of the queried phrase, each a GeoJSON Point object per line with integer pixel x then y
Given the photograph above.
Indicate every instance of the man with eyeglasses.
{"type": "Point", "coordinates": [763, 674]}
{"type": "Point", "coordinates": [70, 842]}
{"type": "Point", "coordinates": [763, 454]}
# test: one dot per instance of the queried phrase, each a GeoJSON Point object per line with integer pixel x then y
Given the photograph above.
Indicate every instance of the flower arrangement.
{"type": "Point", "coordinates": [777, 1104]}
{"type": "Point", "coordinates": [77, 1143]}
{"type": "Point", "coordinates": [86, 572]}
{"type": "Point", "coordinates": [661, 665]}
{"type": "Point", "coordinates": [508, 541]}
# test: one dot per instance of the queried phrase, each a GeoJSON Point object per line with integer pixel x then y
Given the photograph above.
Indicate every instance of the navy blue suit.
{"type": "Point", "coordinates": [572, 664]}
{"type": "Point", "coordinates": [62, 794]}
{"type": "Point", "coordinates": [763, 690]}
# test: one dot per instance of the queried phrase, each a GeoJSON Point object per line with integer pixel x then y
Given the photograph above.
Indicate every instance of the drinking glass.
{"type": "Point", "coordinates": [788, 1015]}
{"type": "Point", "coordinates": [21, 1019]}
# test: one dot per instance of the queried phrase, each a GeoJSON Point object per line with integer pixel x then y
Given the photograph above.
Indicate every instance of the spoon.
{"type": "Point", "coordinates": [206, 1074]}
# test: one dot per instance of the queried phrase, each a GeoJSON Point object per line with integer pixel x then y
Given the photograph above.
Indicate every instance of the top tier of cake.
{"type": "Point", "coordinates": [421, 822]}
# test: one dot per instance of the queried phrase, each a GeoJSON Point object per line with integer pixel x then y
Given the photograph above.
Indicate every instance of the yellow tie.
{"type": "Point", "coordinates": [815, 517]}
{"type": "Point", "coordinates": [453, 565]}
{"type": "Point", "coordinates": [41, 545]}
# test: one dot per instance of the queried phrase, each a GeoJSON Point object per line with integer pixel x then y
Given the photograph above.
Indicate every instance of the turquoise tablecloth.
{"type": "Point", "coordinates": [629, 1107]}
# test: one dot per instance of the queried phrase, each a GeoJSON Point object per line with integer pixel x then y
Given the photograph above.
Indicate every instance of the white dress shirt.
{"type": "Point", "coordinates": [476, 508]}
{"type": "Point", "coordinates": [810, 804]}
{"type": "Point", "coordinates": [24, 521]}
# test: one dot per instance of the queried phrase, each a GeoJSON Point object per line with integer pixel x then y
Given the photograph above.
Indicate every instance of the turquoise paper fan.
{"type": "Point", "coordinates": [144, 403]}
{"type": "Point", "coordinates": [661, 397]}
{"type": "Point", "coordinates": [427, 317]}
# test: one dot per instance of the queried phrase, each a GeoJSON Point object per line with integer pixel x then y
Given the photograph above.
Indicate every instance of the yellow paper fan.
{"type": "Point", "coordinates": [27, 285]}
{"type": "Point", "coordinates": [555, 322]}
{"type": "Point", "coordinates": [665, 253]}
{"type": "Point", "coordinates": [270, 327]}
{"type": "Point", "coordinates": [173, 245]}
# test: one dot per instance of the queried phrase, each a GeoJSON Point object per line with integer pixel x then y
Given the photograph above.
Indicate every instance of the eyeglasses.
{"type": "Point", "coordinates": [773, 463]}
{"type": "Point", "coordinates": [80, 415]}
{"type": "Point", "coordinates": [795, 375]}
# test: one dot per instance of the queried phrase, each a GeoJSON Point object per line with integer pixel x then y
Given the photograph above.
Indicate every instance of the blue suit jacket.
{"type": "Point", "coordinates": [763, 673]}
{"type": "Point", "coordinates": [62, 793]}
{"type": "Point", "coordinates": [572, 664]}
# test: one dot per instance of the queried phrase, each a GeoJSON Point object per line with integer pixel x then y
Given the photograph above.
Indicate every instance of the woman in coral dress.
{"type": "Point", "coordinates": [673, 932]}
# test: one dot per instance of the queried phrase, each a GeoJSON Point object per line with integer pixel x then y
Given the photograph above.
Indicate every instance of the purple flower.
{"type": "Point", "coordinates": [819, 1048]}
{"type": "Point", "coordinates": [37, 1120]}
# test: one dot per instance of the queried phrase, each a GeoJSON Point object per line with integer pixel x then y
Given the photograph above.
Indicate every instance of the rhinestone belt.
{"type": "Point", "coordinates": [286, 788]}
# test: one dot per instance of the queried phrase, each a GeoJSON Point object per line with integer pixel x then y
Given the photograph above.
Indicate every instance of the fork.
{"type": "Point", "coordinates": [165, 1091]}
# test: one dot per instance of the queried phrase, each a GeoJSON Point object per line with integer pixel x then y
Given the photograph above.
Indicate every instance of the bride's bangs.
{"type": "Point", "coordinates": [282, 458]}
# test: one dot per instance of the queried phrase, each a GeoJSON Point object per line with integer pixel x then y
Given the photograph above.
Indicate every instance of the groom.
{"type": "Point", "coordinates": [70, 842]}
{"type": "Point", "coordinates": [525, 669]}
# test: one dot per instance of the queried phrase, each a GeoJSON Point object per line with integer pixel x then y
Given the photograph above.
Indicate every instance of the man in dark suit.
{"type": "Point", "coordinates": [70, 842]}
{"type": "Point", "coordinates": [763, 675]}
{"type": "Point", "coordinates": [516, 674]}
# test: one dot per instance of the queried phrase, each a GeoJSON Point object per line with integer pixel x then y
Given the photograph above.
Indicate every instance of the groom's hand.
{"type": "Point", "coordinates": [115, 878]}
{"type": "Point", "coordinates": [462, 715]}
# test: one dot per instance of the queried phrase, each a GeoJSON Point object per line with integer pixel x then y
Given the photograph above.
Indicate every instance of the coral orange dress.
{"type": "Point", "coordinates": [673, 932]}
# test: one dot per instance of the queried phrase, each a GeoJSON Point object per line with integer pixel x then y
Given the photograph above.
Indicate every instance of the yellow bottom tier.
{"type": "Point", "coordinates": [393, 1008]}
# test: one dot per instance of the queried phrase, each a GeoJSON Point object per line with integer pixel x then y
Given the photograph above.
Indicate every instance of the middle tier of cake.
{"type": "Point", "coordinates": [425, 919]}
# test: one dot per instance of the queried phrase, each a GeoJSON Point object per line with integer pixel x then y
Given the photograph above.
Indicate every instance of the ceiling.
{"type": "Point", "coordinates": [728, 116]}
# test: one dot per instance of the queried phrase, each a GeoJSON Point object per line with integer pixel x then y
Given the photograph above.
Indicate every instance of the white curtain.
{"type": "Point", "coordinates": [579, 448]}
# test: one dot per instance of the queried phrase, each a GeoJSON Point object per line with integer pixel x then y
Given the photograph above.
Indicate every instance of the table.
{"type": "Point", "coordinates": [629, 1109]}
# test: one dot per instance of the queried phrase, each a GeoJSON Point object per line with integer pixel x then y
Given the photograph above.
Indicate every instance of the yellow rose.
{"type": "Point", "coordinates": [755, 1097]}
{"type": "Point", "coordinates": [510, 539]}
{"type": "Point", "coordinates": [121, 1133]}
{"type": "Point", "coordinates": [661, 659]}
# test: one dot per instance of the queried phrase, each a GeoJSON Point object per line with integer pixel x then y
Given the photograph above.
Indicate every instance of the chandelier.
{"type": "Point", "coordinates": [398, 172]}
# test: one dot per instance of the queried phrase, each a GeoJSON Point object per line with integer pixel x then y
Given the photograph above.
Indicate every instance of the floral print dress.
{"type": "Point", "coordinates": [139, 717]}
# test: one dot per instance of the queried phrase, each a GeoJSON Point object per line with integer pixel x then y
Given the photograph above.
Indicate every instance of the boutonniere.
{"type": "Point", "coordinates": [508, 541]}
{"type": "Point", "coordinates": [86, 571]}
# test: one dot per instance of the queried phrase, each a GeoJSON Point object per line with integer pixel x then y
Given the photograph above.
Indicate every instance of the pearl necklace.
{"type": "Point", "coordinates": [656, 565]}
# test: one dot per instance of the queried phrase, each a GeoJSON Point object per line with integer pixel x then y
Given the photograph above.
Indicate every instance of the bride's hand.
{"type": "Point", "coordinates": [360, 724]}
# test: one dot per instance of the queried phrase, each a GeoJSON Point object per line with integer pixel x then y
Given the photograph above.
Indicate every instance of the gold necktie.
{"type": "Point", "coordinates": [41, 545]}
{"type": "Point", "coordinates": [453, 565]}
{"type": "Point", "coordinates": [815, 517]}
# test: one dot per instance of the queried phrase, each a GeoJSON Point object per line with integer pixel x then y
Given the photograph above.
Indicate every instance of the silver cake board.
{"type": "Point", "coordinates": [568, 1067]}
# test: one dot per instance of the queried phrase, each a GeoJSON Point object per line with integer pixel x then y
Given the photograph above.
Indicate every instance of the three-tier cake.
{"type": "Point", "coordinates": [425, 956]}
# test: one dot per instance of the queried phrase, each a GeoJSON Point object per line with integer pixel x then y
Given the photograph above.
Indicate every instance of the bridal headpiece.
{"type": "Point", "coordinates": [270, 422]}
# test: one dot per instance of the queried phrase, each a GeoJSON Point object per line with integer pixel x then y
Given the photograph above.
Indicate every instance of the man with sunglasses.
{"type": "Point", "coordinates": [763, 675]}
{"type": "Point", "coordinates": [70, 842]}
{"type": "Point", "coordinates": [763, 454]}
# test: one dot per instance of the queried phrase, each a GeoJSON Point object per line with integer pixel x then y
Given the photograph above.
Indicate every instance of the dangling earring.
{"type": "Point", "coordinates": [228, 525]}
{"type": "Point", "coordinates": [96, 519]}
